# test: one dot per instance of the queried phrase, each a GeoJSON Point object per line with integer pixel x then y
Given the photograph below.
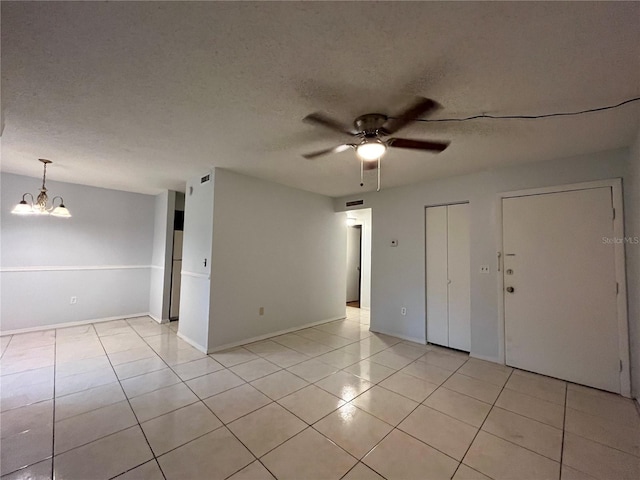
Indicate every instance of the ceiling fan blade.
{"type": "Point", "coordinates": [338, 149]}
{"type": "Point", "coordinates": [417, 144]}
{"type": "Point", "coordinates": [327, 122]}
{"type": "Point", "coordinates": [420, 108]}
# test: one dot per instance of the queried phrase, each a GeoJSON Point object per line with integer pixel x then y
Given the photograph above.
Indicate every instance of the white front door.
{"type": "Point", "coordinates": [560, 286]}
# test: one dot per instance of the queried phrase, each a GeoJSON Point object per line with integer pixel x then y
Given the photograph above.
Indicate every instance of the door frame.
{"type": "Point", "coordinates": [619, 258]}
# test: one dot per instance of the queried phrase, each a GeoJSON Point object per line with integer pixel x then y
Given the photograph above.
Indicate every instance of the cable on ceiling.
{"type": "Point", "coordinates": [523, 117]}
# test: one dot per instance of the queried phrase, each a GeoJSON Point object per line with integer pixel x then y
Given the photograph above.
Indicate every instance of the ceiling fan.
{"type": "Point", "coordinates": [371, 131]}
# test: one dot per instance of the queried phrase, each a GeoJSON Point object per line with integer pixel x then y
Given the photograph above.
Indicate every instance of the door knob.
{"type": "Point", "coordinates": [510, 289]}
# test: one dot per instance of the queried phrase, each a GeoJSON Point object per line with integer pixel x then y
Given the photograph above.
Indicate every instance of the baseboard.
{"type": "Point", "coordinates": [408, 338]}
{"type": "Point", "coordinates": [486, 358]}
{"type": "Point", "coordinates": [159, 320]}
{"type": "Point", "coordinates": [195, 345]}
{"type": "Point", "coordinates": [71, 324]}
{"type": "Point", "coordinates": [272, 334]}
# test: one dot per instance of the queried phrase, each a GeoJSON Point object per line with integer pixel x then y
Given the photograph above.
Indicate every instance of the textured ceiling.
{"type": "Point", "coordinates": [140, 96]}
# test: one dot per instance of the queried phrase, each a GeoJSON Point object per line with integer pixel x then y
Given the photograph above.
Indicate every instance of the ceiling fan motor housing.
{"type": "Point", "coordinates": [370, 123]}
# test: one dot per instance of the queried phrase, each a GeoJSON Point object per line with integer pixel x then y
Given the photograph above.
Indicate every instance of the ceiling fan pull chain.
{"type": "Point", "coordinates": [361, 172]}
{"type": "Point", "coordinates": [379, 163]}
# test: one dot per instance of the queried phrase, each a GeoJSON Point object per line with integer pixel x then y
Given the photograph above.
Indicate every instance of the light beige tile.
{"type": "Point", "coordinates": [601, 430]}
{"type": "Point", "coordinates": [609, 406]}
{"type": "Point", "coordinates": [17, 395]}
{"type": "Point", "coordinates": [286, 358]}
{"type": "Point", "coordinates": [485, 372]}
{"type": "Point", "coordinates": [532, 407]}
{"type": "Point", "coordinates": [442, 360]}
{"type": "Point", "coordinates": [37, 471]}
{"type": "Point", "coordinates": [390, 359]}
{"type": "Point", "coordinates": [353, 429]}
{"type": "Point", "coordinates": [149, 382]}
{"type": "Point", "coordinates": [385, 405]}
{"type": "Point", "coordinates": [412, 387]}
{"type": "Point", "coordinates": [112, 328]}
{"type": "Point", "coordinates": [468, 473]}
{"type": "Point", "coordinates": [109, 456]}
{"type": "Point", "coordinates": [236, 402]}
{"type": "Point", "coordinates": [265, 347]}
{"type": "Point", "coordinates": [182, 355]}
{"type": "Point", "coordinates": [146, 471]}
{"type": "Point", "coordinates": [82, 366]}
{"type": "Point", "coordinates": [370, 371]}
{"type": "Point", "coordinates": [425, 371]}
{"type": "Point", "coordinates": [362, 472]}
{"type": "Point", "coordinates": [339, 359]}
{"type": "Point", "coordinates": [483, 391]}
{"type": "Point", "coordinates": [457, 405]}
{"type": "Point", "coordinates": [233, 356]}
{"type": "Point", "coordinates": [599, 461]}
{"type": "Point", "coordinates": [197, 368]}
{"type": "Point", "coordinates": [25, 448]}
{"type": "Point", "coordinates": [214, 383]}
{"type": "Point", "coordinates": [131, 355]}
{"type": "Point", "coordinates": [218, 453]}
{"type": "Point", "coordinates": [161, 401]}
{"type": "Point", "coordinates": [179, 427]}
{"type": "Point", "coordinates": [362, 349]}
{"type": "Point", "coordinates": [120, 342]}
{"type": "Point", "coordinates": [254, 369]}
{"type": "Point", "coordinates": [88, 400]}
{"type": "Point", "coordinates": [568, 473]}
{"type": "Point", "coordinates": [538, 437]}
{"type": "Point", "coordinates": [401, 457]}
{"type": "Point", "coordinates": [33, 339]}
{"type": "Point", "coordinates": [442, 432]}
{"type": "Point", "coordinates": [279, 384]}
{"type": "Point", "coordinates": [311, 403]}
{"type": "Point", "coordinates": [87, 427]}
{"type": "Point", "coordinates": [308, 455]}
{"type": "Point", "coordinates": [139, 367]}
{"type": "Point", "coordinates": [84, 381]}
{"type": "Point", "coordinates": [312, 370]}
{"type": "Point", "coordinates": [266, 428]}
{"type": "Point", "coordinates": [502, 460]}
{"type": "Point", "coordinates": [545, 388]}
{"type": "Point", "coordinates": [26, 418]}
{"type": "Point", "coordinates": [253, 471]}
{"type": "Point", "coordinates": [344, 385]}
{"type": "Point", "coordinates": [412, 352]}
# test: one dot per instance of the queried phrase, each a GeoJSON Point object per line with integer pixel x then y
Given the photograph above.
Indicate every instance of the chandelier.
{"type": "Point", "coordinates": [40, 206]}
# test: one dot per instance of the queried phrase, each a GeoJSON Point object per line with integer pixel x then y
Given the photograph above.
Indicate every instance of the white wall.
{"type": "Point", "coordinates": [363, 217]}
{"type": "Point", "coordinates": [274, 247]}
{"type": "Point", "coordinates": [195, 278]}
{"type": "Point", "coordinates": [160, 281]}
{"type": "Point", "coordinates": [101, 255]}
{"type": "Point", "coordinates": [632, 229]}
{"type": "Point", "coordinates": [398, 273]}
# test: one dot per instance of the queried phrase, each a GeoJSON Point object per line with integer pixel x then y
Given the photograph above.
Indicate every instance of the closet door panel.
{"type": "Point", "coordinates": [436, 257]}
{"type": "Point", "coordinates": [459, 266]}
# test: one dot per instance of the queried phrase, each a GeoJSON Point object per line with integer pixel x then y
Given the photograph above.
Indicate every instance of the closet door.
{"type": "Point", "coordinates": [436, 258]}
{"type": "Point", "coordinates": [459, 267]}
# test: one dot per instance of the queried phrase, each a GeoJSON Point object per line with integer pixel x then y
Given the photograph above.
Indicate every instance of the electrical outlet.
{"type": "Point", "coordinates": [261, 311]}
{"type": "Point", "coordinates": [73, 300]}
{"type": "Point", "coordinates": [484, 268]}
{"type": "Point", "coordinates": [403, 311]}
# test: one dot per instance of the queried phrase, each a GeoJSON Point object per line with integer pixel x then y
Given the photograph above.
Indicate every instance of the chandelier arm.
{"type": "Point", "coordinates": [53, 203]}
{"type": "Point", "coordinates": [24, 195]}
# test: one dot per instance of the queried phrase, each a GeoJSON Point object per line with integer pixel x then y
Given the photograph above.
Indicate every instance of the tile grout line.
{"type": "Point", "coordinates": [130, 406]}
{"type": "Point", "coordinates": [53, 426]}
{"type": "Point", "coordinates": [483, 422]}
{"type": "Point", "coordinates": [564, 424]}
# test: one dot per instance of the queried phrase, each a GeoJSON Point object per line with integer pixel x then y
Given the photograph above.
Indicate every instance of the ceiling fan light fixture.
{"type": "Point", "coordinates": [370, 150]}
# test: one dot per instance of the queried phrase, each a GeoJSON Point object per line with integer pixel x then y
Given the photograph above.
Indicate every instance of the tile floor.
{"type": "Point", "coordinates": [129, 399]}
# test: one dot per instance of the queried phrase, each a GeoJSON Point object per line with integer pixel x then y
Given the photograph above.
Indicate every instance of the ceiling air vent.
{"type": "Point", "coordinates": [206, 178]}
{"type": "Point", "coordinates": [353, 203]}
